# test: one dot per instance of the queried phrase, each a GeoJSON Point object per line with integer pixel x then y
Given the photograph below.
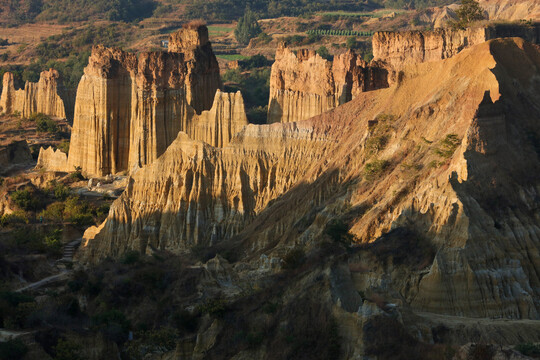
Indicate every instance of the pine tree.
{"type": "Point", "coordinates": [247, 27]}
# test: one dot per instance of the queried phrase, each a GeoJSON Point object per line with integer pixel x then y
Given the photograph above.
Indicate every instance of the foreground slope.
{"type": "Point", "coordinates": [449, 154]}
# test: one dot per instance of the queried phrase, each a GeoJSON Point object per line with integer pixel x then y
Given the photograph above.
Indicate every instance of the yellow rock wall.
{"type": "Point", "coordinates": [45, 96]}
{"type": "Point", "coordinates": [304, 85]}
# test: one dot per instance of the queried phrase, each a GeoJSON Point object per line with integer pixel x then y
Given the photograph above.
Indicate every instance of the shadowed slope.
{"type": "Point", "coordinates": [433, 154]}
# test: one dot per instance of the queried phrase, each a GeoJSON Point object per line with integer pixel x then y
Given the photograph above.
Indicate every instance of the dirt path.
{"type": "Point", "coordinates": [48, 280]}
{"type": "Point", "coordinates": [69, 252]}
{"type": "Point", "coordinates": [6, 335]}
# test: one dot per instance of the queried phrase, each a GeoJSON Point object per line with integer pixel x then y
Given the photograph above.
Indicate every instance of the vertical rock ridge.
{"type": "Point", "coordinates": [218, 125]}
{"type": "Point", "coordinates": [47, 96]}
{"type": "Point", "coordinates": [130, 107]}
{"type": "Point", "coordinates": [399, 49]}
{"type": "Point", "coordinates": [304, 85]}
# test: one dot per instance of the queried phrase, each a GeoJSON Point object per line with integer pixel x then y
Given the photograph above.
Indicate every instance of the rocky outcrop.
{"type": "Point", "coordinates": [53, 160]}
{"type": "Point", "coordinates": [209, 200]}
{"type": "Point", "coordinates": [218, 125]}
{"type": "Point", "coordinates": [47, 96]}
{"type": "Point", "coordinates": [411, 47]}
{"type": "Point", "coordinates": [130, 107]}
{"type": "Point", "coordinates": [444, 160]}
{"type": "Point", "coordinates": [304, 85]}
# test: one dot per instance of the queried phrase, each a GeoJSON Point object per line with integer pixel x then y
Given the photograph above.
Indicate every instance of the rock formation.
{"type": "Point", "coordinates": [446, 153]}
{"type": "Point", "coordinates": [52, 160]}
{"type": "Point", "coordinates": [304, 85]}
{"type": "Point", "coordinates": [218, 125]}
{"type": "Point", "coordinates": [129, 107]}
{"type": "Point", "coordinates": [47, 96]}
{"type": "Point", "coordinates": [411, 47]}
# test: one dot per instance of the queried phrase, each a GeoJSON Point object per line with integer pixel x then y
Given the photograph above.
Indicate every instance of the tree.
{"type": "Point", "coordinates": [351, 43]}
{"type": "Point", "coordinates": [468, 12]}
{"type": "Point", "coordinates": [247, 27]}
{"type": "Point", "coordinates": [324, 53]}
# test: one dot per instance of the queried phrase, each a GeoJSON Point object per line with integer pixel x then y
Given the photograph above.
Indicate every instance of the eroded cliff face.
{"type": "Point", "coordinates": [411, 47]}
{"type": "Point", "coordinates": [47, 96]}
{"type": "Point", "coordinates": [304, 85]}
{"type": "Point", "coordinates": [129, 107]}
{"type": "Point", "coordinates": [52, 160]}
{"type": "Point", "coordinates": [445, 153]}
{"type": "Point", "coordinates": [218, 125]}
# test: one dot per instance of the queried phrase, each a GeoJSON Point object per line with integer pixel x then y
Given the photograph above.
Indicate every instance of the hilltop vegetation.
{"type": "Point", "coordinates": [63, 11]}
{"type": "Point", "coordinates": [21, 11]}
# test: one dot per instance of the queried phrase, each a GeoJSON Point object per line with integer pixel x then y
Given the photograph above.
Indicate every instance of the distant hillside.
{"type": "Point", "coordinates": [232, 9]}
{"type": "Point", "coordinates": [21, 11]}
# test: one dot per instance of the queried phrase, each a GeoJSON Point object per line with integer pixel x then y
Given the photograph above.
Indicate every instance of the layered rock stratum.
{"type": "Point", "coordinates": [448, 153]}
{"type": "Point", "coordinates": [48, 96]}
{"type": "Point", "coordinates": [304, 85]}
{"type": "Point", "coordinates": [130, 107]}
{"type": "Point", "coordinates": [411, 47]}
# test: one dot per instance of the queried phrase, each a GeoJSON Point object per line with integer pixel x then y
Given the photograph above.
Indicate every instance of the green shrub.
{"type": "Point", "coordinates": [528, 349]}
{"type": "Point", "coordinates": [131, 257]}
{"type": "Point", "coordinates": [351, 43]}
{"type": "Point", "coordinates": [113, 323]}
{"type": "Point", "coordinates": [338, 231]}
{"type": "Point", "coordinates": [448, 146]}
{"type": "Point", "coordinates": [64, 146]}
{"type": "Point", "coordinates": [17, 217]}
{"type": "Point", "coordinates": [375, 168]}
{"type": "Point", "coordinates": [152, 342]}
{"type": "Point", "coordinates": [15, 298]}
{"type": "Point", "coordinates": [53, 242]}
{"type": "Point", "coordinates": [185, 321]}
{"type": "Point", "coordinates": [77, 174]}
{"type": "Point", "coordinates": [270, 308]}
{"type": "Point", "coordinates": [45, 124]}
{"type": "Point", "coordinates": [18, 317]}
{"type": "Point", "coordinates": [264, 38]}
{"type": "Point", "coordinates": [376, 144]}
{"type": "Point", "coordinates": [295, 40]}
{"type": "Point", "coordinates": [28, 199]}
{"type": "Point", "coordinates": [67, 350]}
{"type": "Point", "coordinates": [253, 62]}
{"type": "Point", "coordinates": [54, 212]}
{"type": "Point", "coordinates": [255, 339]}
{"type": "Point", "coordinates": [78, 211]}
{"type": "Point", "coordinates": [213, 307]}
{"type": "Point", "coordinates": [324, 53]}
{"type": "Point", "coordinates": [12, 350]}
{"type": "Point", "coordinates": [294, 258]}
{"type": "Point", "coordinates": [255, 89]}
{"type": "Point", "coordinates": [61, 192]}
